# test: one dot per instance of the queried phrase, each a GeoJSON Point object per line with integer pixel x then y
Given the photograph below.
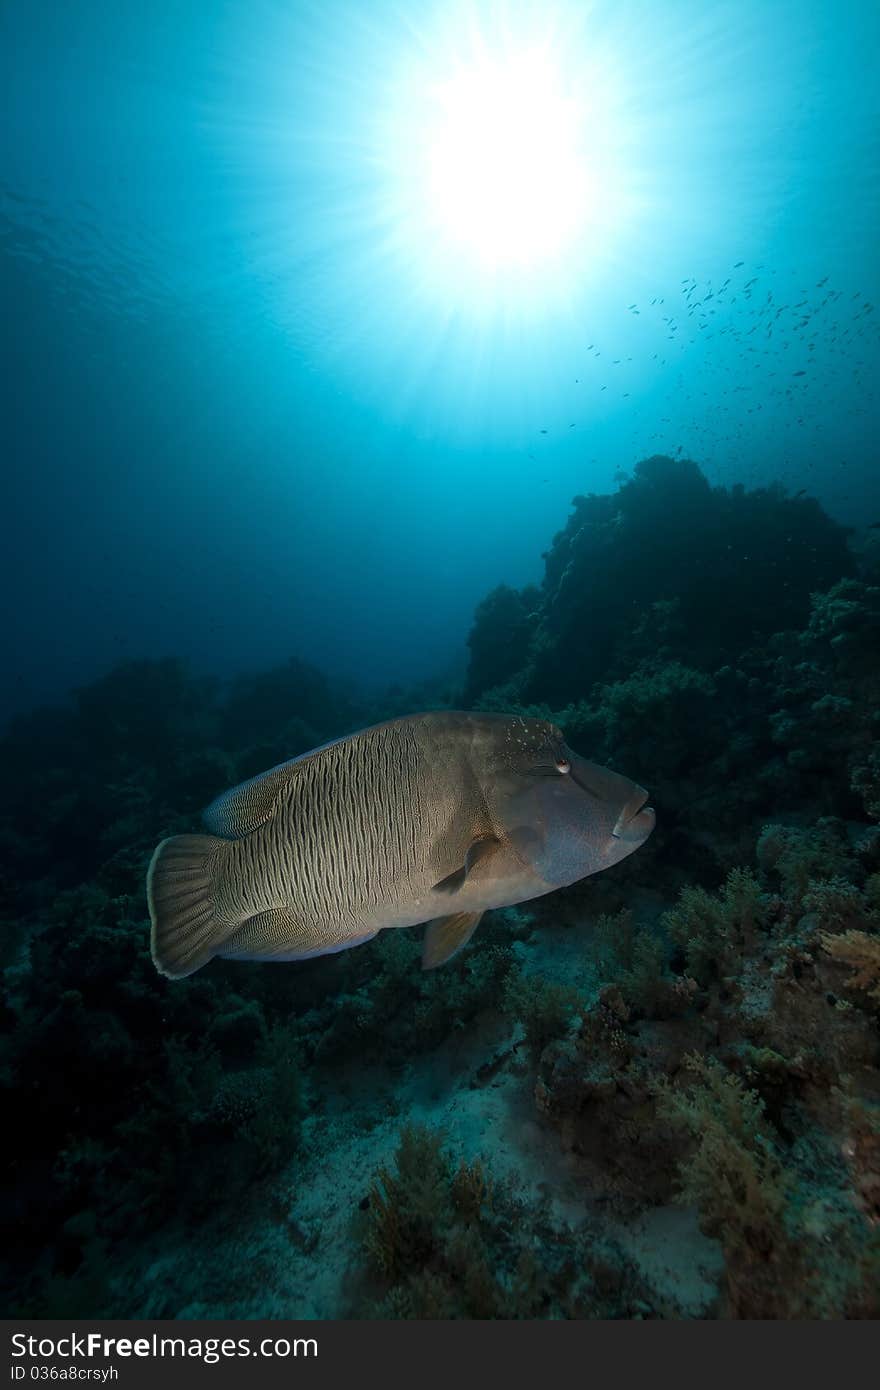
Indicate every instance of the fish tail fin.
{"type": "Point", "coordinates": [181, 881]}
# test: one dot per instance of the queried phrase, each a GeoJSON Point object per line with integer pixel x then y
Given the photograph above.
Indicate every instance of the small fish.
{"type": "Point", "coordinates": [737, 264]}
{"type": "Point", "coordinates": [874, 526]}
{"type": "Point", "coordinates": [432, 818]}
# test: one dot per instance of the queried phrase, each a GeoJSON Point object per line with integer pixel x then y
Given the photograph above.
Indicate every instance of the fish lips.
{"type": "Point", "coordinates": [636, 820]}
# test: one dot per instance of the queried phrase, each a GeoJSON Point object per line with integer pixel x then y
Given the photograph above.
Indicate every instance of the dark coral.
{"type": "Point", "coordinates": [717, 1043]}
{"type": "Point", "coordinates": [734, 565]}
{"type": "Point", "coordinates": [447, 1240]}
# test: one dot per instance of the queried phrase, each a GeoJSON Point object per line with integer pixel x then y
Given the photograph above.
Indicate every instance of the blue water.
{"type": "Point", "coordinates": [316, 316]}
{"type": "Point", "coordinates": [250, 408]}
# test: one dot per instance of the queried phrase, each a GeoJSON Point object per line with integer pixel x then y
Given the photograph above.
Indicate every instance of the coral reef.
{"type": "Point", "coordinates": [447, 1241]}
{"type": "Point", "coordinates": [766, 1073]}
{"type": "Point", "coordinates": [665, 537]}
{"type": "Point", "coordinates": [862, 953]}
{"type": "Point", "coordinates": [693, 1032]}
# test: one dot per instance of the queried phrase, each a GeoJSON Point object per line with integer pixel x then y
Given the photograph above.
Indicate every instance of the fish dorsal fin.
{"type": "Point", "coordinates": [244, 808]}
{"type": "Point", "coordinates": [478, 851]}
{"type": "Point", "coordinates": [445, 937]}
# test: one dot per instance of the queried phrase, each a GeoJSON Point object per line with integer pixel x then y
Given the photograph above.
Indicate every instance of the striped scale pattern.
{"type": "Point", "coordinates": [349, 838]}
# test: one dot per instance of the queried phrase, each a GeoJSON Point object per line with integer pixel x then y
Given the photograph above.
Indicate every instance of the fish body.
{"type": "Point", "coordinates": [430, 818]}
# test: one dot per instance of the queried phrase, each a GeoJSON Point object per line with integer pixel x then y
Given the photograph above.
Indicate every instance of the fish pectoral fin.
{"type": "Point", "coordinates": [245, 808]}
{"type": "Point", "coordinates": [445, 936]}
{"type": "Point", "coordinates": [479, 850]}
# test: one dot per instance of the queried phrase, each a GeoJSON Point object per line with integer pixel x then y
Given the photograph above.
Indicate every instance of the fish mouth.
{"type": "Point", "coordinates": [636, 820]}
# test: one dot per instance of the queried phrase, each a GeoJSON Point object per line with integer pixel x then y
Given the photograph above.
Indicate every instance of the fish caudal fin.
{"type": "Point", "coordinates": [181, 881]}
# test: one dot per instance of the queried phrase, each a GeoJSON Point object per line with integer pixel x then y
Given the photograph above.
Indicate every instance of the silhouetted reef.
{"type": "Point", "coordinates": [666, 567]}
{"type": "Point", "coordinates": [698, 1025]}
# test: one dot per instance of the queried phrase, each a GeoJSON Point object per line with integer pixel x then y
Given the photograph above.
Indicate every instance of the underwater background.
{"type": "Point", "coordinates": [362, 359]}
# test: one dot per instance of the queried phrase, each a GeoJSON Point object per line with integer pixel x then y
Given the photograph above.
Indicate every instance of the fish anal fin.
{"type": "Point", "coordinates": [478, 851]}
{"type": "Point", "coordinates": [445, 936]}
{"type": "Point", "coordinates": [280, 934]}
{"type": "Point", "coordinates": [243, 809]}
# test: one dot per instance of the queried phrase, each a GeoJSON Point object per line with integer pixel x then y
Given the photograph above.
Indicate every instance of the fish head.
{"type": "Point", "coordinates": [566, 817]}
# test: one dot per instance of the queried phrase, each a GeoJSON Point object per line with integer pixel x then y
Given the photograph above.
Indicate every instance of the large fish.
{"type": "Point", "coordinates": [430, 818]}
